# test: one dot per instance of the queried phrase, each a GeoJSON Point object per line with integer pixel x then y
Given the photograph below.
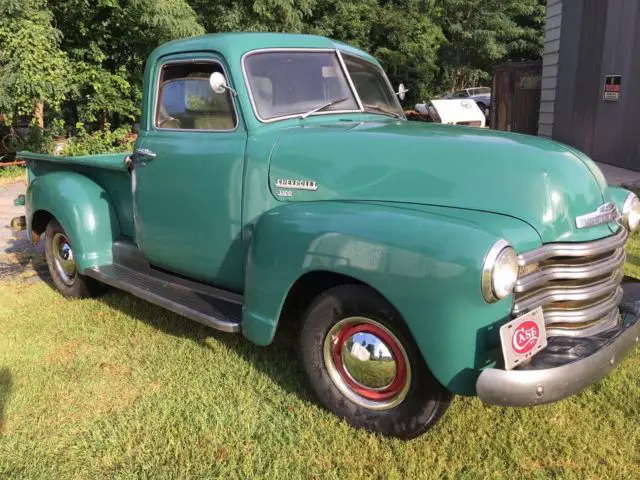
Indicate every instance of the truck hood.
{"type": "Point", "coordinates": [541, 182]}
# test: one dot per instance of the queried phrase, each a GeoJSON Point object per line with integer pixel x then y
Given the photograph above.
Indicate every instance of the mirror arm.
{"type": "Point", "coordinates": [233, 92]}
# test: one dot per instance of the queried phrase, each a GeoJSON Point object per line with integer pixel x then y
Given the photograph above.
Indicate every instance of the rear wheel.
{"type": "Point", "coordinates": [484, 109]}
{"type": "Point", "coordinates": [363, 365]}
{"type": "Point", "coordinates": [62, 265]}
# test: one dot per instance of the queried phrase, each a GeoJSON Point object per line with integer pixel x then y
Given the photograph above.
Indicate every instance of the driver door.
{"type": "Point", "coordinates": [187, 189]}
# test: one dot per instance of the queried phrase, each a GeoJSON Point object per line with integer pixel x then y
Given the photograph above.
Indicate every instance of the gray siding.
{"type": "Point", "coordinates": [550, 64]}
{"type": "Point", "coordinates": [598, 38]}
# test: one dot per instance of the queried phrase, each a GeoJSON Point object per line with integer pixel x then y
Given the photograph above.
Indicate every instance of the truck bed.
{"type": "Point", "coordinates": [109, 161]}
{"type": "Point", "coordinates": [107, 170]}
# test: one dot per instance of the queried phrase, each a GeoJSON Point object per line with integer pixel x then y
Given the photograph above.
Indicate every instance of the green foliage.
{"type": "Point", "coordinates": [101, 141]}
{"type": "Point", "coordinates": [11, 172]}
{"type": "Point", "coordinates": [84, 59]}
{"type": "Point", "coordinates": [401, 34]}
{"type": "Point", "coordinates": [36, 140]}
{"type": "Point", "coordinates": [480, 34]}
{"type": "Point", "coordinates": [255, 15]}
{"type": "Point", "coordinates": [108, 42]}
{"type": "Point", "coordinates": [33, 69]}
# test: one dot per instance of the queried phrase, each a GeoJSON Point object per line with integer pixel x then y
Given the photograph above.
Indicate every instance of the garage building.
{"type": "Point", "coordinates": [590, 89]}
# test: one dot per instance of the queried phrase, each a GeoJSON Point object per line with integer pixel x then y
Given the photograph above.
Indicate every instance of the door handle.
{"type": "Point", "coordinates": [145, 153]}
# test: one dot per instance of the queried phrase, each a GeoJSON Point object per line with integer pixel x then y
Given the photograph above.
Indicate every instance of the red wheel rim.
{"type": "Point", "coordinates": [374, 394]}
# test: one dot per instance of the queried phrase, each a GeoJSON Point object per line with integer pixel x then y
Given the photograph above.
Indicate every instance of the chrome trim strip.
{"type": "Point", "coordinates": [521, 388]}
{"type": "Point", "coordinates": [156, 95]}
{"type": "Point", "coordinates": [486, 283]}
{"type": "Point", "coordinates": [350, 80]}
{"type": "Point", "coordinates": [571, 272]}
{"type": "Point", "coordinates": [586, 314]}
{"type": "Point", "coordinates": [574, 249]}
{"type": "Point", "coordinates": [556, 293]}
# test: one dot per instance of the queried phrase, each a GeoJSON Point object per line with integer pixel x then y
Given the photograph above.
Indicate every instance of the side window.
{"type": "Point", "coordinates": [186, 101]}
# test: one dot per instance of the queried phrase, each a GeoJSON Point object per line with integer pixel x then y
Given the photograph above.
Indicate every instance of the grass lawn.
{"type": "Point", "coordinates": [116, 387]}
{"type": "Point", "coordinates": [11, 173]}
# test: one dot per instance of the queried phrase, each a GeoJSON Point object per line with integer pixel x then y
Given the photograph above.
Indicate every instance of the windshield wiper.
{"type": "Point", "coordinates": [322, 107]}
{"type": "Point", "coordinates": [383, 110]}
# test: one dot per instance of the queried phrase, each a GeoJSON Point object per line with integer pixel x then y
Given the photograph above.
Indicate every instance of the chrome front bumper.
{"type": "Point", "coordinates": [566, 366]}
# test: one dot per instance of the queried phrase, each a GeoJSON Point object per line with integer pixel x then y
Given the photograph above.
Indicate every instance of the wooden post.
{"type": "Point", "coordinates": [38, 114]}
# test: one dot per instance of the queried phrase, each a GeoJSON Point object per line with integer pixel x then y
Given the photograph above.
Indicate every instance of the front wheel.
{"type": "Point", "coordinates": [363, 365]}
{"type": "Point", "coordinates": [62, 265]}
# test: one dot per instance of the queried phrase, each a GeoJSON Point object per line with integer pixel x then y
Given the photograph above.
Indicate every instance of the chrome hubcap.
{"type": "Point", "coordinates": [63, 260]}
{"type": "Point", "coordinates": [367, 363]}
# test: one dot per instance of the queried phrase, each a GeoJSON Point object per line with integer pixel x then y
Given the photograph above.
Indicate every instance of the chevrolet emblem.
{"type": "Point", "coordinates": [605, 213]}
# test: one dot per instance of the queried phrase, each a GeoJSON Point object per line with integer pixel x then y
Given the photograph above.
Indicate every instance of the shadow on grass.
{"type": "Point", "coordinates": [278, 360]}
{"type": "Point", "coordinates": [21, 257]}
{"type": "Point", "coordinates": [6, 383]}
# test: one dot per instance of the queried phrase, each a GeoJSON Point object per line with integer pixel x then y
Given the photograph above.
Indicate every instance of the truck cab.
{"type": "Point", "coordinates": [276, 179]}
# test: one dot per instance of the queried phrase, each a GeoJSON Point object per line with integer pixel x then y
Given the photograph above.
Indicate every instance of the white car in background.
{"type": "Point", "coordinates": [453, 112]}
{"type": "Point", "coordinates": [480, 95]}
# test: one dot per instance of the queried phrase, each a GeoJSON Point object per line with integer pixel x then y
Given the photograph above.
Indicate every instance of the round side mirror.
{"type": "Point", "coordinates": [218, 82]}
{"type": "Point", "coordinates": [401, 91]}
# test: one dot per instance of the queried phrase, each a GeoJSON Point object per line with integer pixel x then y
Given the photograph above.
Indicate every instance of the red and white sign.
{"type": "Point", "coordinates": [522, 338]}
{"type": "Point", "coordinates": [525, 337]}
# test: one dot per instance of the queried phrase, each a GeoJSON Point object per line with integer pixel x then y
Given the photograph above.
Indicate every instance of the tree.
{"type": "Point", "coordinates": [254, 15]}
{"type": "Point", "coordinates": [401, 34]}
{"type": "Point", "coordinates": [33, 69]}
{"type": "Point", "coordinates": [108, 41]}
{"type": "Point", "coordinates": [480, 33]}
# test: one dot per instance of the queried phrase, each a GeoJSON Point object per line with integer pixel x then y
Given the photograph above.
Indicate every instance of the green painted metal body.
{"type": "Point", "coordinates": [410, 209]}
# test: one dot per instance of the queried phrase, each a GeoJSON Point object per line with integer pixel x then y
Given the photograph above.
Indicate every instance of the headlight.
{"type": "Point", "coordinates": [631, 212]}
{"type": "Point", "coordinates": [500, 272]}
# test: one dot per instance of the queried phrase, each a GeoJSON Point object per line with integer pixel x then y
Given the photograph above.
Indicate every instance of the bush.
{"type": "Point", "coordinates": [100, 141]}
{"type": "Point", "coordinates": [35, 140]}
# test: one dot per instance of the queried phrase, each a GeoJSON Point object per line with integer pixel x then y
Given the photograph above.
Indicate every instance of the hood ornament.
{"type": "Point", "coordinates": [603, 214]}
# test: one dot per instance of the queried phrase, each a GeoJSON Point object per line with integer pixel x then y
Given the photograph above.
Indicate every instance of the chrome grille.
{"type": "Point", "coordinates": [577, 285]}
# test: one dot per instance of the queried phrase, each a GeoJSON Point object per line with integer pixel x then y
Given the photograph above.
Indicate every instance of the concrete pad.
{"type": "Point", "coordinates": [17, 255]}
{"type": "Point", "coordinates": [620, 177]}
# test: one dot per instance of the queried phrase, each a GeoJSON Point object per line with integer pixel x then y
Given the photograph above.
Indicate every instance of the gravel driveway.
{"type": "Point", "coordinates": [17, 255]}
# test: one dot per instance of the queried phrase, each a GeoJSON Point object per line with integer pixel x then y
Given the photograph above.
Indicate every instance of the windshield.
{"type": "Point", "coordinates": [303, 83]}
{"type": "Point", "coordinates": [480, 91]}
{"type": "Point", "coordinates": [291, 83]}
{"type": "Point", "coordinates": [372, 86]}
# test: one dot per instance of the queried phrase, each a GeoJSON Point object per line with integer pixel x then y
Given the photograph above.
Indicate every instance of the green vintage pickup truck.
{"type": "Point", "coordinates": [276, 179]}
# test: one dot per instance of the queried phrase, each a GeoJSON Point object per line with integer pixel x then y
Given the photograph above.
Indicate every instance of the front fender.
{"type": "Point", "coordinates": [426, 262]}
{"type": "Point", "coordinates": [84, 210]}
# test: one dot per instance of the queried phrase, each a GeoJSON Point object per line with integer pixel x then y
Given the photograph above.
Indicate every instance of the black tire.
{"type": "Point", "coordinates": [484, 109]}
{"type": "Point", "coordinates": [70, 285]}
{"type": "Point", "coordinates": [424, 399]}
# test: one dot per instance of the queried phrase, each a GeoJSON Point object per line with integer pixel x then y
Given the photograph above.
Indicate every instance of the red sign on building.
{"type": "Point", "coordinates": [612, 87]}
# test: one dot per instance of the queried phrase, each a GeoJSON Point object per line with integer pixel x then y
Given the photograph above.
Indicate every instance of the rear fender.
{"type": "Point", "coordinates": [84, 210]}
{"type": "Point", "coordinates": [427, 265]}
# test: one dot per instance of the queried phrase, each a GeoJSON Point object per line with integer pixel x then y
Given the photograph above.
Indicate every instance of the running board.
{"type": "Point", "coordinates": [209, 310]}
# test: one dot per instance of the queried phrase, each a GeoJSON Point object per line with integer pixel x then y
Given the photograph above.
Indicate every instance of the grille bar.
{"type": "Point", "coordinates": [576, 284]}
{"type": "Point", "coordinates": [585, 249]}
{"type": "Point", "coordinates": [587, 270]}
{"type": "Point", "coordinates": [568, 293]}
{"type": "Point", "coordinates": [588, 314]}
{"type": "Point", "coordinates": [611, 320]}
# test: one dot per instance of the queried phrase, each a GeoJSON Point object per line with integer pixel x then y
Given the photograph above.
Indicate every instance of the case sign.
{"type": "Point", "coordinates": [612, 87]}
